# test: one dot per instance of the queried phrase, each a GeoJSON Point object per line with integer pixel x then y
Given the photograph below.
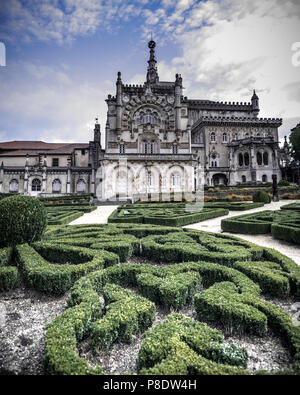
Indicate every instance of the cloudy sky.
{"type": "Point", "coordinates": [62, 58]}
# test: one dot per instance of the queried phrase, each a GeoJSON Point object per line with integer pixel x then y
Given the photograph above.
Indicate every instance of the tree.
{"type": "Point", "coordinates": [295, 141]}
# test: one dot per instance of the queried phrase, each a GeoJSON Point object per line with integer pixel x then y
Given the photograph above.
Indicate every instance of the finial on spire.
{"type": "Point", "coordinates": [152, 74]}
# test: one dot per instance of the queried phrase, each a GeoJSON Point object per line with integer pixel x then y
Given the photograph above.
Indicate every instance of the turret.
{"type": "Point", "coordinates": [119, 103]}
{"type": "Point", "coordinates": [255, 103]}
{"type": "Point", "coordinates": [97, 133]}
{"type": "Point", "coordinates": [178, 92]}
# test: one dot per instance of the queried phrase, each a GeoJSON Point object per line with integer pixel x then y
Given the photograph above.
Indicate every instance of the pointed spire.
{"type": "Point", "coordinates": [152, 74]}
{"type": "Point", "coordinates": [254, 95]}
{"type": "Point", "coordinates": [255, 102]}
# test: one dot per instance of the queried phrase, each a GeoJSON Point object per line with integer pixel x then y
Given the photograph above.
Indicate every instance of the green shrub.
{"type": "Point", "coordinates": [269, 275]}
{"type": "Point", "coordinates": [126, 315]}
{"type": "Point", "coordinates": [283, 183]}
{"type": "Point", "coordinates": [57, 278]}
{"type": "Point", "coordinates": [162, 214]}
{"type": "Point", "coordinates": [22, 220]}
{"type": "Point", "coordinates": [287, 233]}
{"type": "Point", "coordinates": [8, 274]}
{"type": "Point", "coordinates": [173, 291]}
{"type": "Point", "coordinates": [222, 304]}
{"type": "Point", "coordinates": [60, 355]}
{"type": "Point", "coordinates": [261, 196]}
{"type": "Point", "coordinates": [181, 345]}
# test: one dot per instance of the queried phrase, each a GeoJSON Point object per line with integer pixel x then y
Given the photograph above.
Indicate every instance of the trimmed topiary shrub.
{"type": "Point", "coordinates": [23, 219]}
{"type": "Point", "coordinates": [283, 183]}
{"type": "Point", "coordinates": [261, 196]}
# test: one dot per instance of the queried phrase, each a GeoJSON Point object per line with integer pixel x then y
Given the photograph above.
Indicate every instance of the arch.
{"type": "Point", "coordinates": [36, 185]}
{"type": "Point", "coordinates": [236, 136]}
{"type": "Point", "coordinates": [246, 135]}
{"type": "Point", "coordinates": [147, 115]}
{"type": "Point", "coordinates": [241, 159]}
{"type": "Point", "coordinates": [259, 158]}
{"type": "Point", "coordinates": [14, 185]}
{"type": "Point", "coordinates": [219, 179]}
{"type": "Point", "coordinates": [213, 137]}
{"type": "Point", "coordinates": [224, 137]}
{"type": "Point", "coordinates": [266, 158]}
{"type": "Point", "coordinates": [81, 186]}
{"type": "Point", "coordinates": [144, 147]}
{"type": "Point", "coordinates": [246, 159]}
{"type": "Point", "coordinates": [153, 147]}
{"type": "Point", "coordinates": [56, 186]}
{"type": "Point", "coordinates": [264, 178]}
{"type": "Point", "coordinates": [244, 179]}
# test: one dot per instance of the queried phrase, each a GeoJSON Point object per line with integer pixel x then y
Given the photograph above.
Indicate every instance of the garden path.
{"type": "Point", "coordinates": [98, 216]}
{"type": "Point", "coordinates": [288, 249]}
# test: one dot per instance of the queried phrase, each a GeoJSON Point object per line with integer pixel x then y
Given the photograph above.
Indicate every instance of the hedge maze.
{"type": "Point", "coordinates": [283, 224]}
{"type": "Point", "coordinates": [162, 215]}
{"type": "Point", "coordinates": [174, 214]}
{"type": "Point", "coordinates": [118, 275]}
{"type": "Point", "coordinates": [61, 215]}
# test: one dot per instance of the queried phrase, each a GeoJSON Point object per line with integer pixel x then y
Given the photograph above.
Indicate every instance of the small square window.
{"type": "Point", "coordinates": [55, 162]}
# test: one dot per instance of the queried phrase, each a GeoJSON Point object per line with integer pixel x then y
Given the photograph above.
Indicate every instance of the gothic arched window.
{"type": "Point", "coordinates": [148, 117]}
{"type": "Point", "coordinates": [266, 158]}
{"type": "Point", "coordinates": [36, 185]}
{"type": "Point", "coordinates": [144, 147]}
{"type": "Point", "coordinates": [56, 186]}
{"type": "Point", "coordinates": [244, 179]}
{"type": "Point", "coordinates": [264, 178]}
{"type": "Point", "coordinates": [81, 186]}
{"type": "Point", "coordinates": [14, 185]}
{"type": "Point", "coordinates": [259, 158]}
{"type": "Point", "coordinates": [241, 159]}
{"type": "Point", "coordinates": [224, 137]}
{"type": "Point", "coordinates": [246, 159]}
{"type": "Point", "coordinates": [153, 147]}
{"type": "Point", "coordinates": [213, 137]}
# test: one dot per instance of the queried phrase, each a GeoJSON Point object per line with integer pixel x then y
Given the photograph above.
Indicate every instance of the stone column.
{"type": "Point", "coordinates": [1, 177]}
{"type": "Point", "coordinates": [178, 86]}
{"type": "Point", "coordinates": [69, 180]}
{"type": "Point", "coordinates": [44, 179]}
{"type": "Point", "coordinates": [119, 103]}
{"type": "Point", "coordinates": [26, 176]}
{"type": "Point", "coordinates": [92, 183]}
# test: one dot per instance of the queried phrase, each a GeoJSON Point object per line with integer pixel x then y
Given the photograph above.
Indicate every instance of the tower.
{"type": "Point", "coordinates": [152, 74]}
{"type": "Point", "coordinates": [255, 103]}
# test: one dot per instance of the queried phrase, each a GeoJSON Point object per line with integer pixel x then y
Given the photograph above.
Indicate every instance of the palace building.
{"type": "Point", "coordinates": [156, 140]}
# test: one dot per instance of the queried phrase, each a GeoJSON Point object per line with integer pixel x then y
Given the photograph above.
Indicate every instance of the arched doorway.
{"type": "Point", "coordinates": [36, 186]}
{"type": "Point", "coordinates": [219, 179]}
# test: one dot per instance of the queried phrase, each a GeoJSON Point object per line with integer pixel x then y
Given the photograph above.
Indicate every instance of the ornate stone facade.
{"type": "Point", "coordinates": [156, 140]}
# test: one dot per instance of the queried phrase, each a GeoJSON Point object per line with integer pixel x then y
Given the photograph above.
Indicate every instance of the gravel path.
{"type": "Point", "coordinates": [23, 316]}
{"type": "Point", "coordinates": [98, 216]}
{"type": "Point", "coordinates": [288, 249]}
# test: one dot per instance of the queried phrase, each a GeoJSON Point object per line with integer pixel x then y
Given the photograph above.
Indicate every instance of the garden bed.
{"type": "Point", "coordinates": [282, 224]}
{"type": "Point", "coordinates": [220, 287]}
